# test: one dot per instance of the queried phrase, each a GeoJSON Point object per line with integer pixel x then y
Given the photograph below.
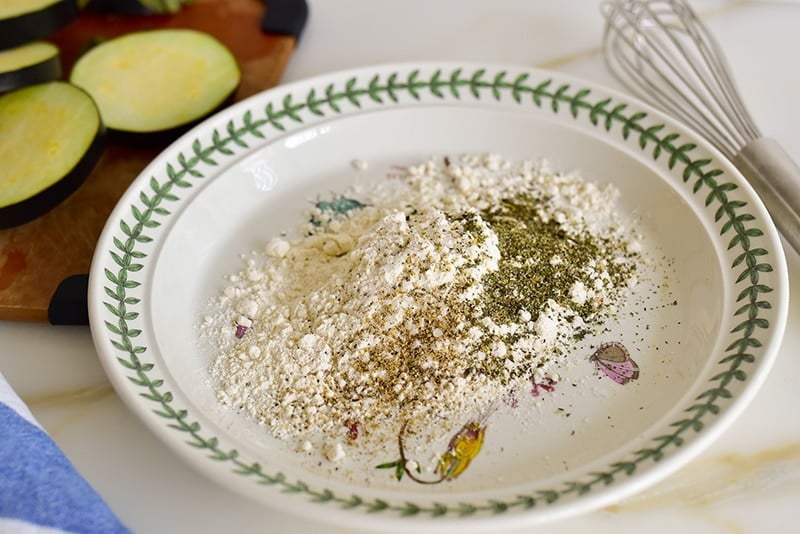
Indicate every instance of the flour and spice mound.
{"type": "Point", "coordinates": [423, 299]}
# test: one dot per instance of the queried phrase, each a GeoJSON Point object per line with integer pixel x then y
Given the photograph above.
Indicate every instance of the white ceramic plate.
{"type": "Point", "coordinates": [704, 346]}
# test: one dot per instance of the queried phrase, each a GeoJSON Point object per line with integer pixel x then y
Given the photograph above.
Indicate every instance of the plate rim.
{"type": "Point", "coordinates": [346, 88]}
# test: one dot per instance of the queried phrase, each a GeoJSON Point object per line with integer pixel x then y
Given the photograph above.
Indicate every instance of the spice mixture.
{"type": "Point", "coordinates": [424, 298]}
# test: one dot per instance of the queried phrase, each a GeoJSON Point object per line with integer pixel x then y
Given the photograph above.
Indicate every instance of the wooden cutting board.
{"type": "Point", "coordinates": [36, 257]}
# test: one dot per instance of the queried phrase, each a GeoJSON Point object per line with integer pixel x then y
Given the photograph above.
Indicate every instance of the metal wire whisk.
{"type": "Point", "coordinates": [661, 50]}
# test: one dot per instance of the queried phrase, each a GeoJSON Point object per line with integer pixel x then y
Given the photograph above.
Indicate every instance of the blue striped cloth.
{"type": "Point", "coordinates": [40, 490]}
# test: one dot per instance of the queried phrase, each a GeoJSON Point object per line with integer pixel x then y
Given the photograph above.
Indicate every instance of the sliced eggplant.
{"type": "Point", "coordinates": [23, 21]}
{"type": "Point", "coordinates": [51, 136]}
{"type": "Point", "coordinates": [157, 80]}
{"type": "Point", "coordinates": [28, 65]}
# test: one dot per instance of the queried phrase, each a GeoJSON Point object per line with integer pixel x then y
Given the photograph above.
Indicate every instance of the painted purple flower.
{"type": "Point", "coordinates": [614, 360]}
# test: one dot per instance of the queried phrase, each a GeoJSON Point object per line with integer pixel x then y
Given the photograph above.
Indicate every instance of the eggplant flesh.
{"type": "Point", "coordinates": [23, 21]}
{"type": "Point", "coordinates": [51, 137]}
{"type": "Point", "coordinates": [28, 65]}
{"type": "Point", "coordinates": [157, 80]}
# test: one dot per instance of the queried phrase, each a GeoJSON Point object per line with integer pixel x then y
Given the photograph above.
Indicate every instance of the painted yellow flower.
{"type": "Point", "coordinates": [463, 447]}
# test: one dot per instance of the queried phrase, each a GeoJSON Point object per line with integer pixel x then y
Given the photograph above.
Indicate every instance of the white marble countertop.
{"type": "Point", "coordinates": [747, 481]}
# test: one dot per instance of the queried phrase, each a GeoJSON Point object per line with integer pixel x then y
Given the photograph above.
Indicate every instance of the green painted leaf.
{"type": "Point", "coordinates": [577, 102]}
{"type": "Point", "coordinates": [525, 501]}
{"type": "Point", "coordinates": [579, 488]}
{"type": "Point", "coordinates": [558, 97]}
{"type": "Point", "coordinates": [350, 92]}
{"type": "Point", "coordinates": [453, 83]}
{"type": "Point", "coordinates": [323, 496]}
{"type": "Point", "coordinates": [632, 124]}
{"type": "Point", "coordinates": [374, 91]}
{"type": "Point", "coordinates": [475, 82]}
{"type": "Point", "coordinates": [540, 92]}
{"type": "Point", "coordinates": [681, 154]}
{"type": "Point", "coordinates": [409, 509]}
{"type": "Point", "coordinates": [466, 509]}
{"type": "Point", "coordinates": [115, 311]}
{"type": "Point", "coordinates": [649, 134]}
{"type": "Point", "coordinates": [438, 510]}
{"type": "Point", "coordinates": [549, 496]}
{"type": "Point", "coordinates": [354, 501]}
{"type": "Point", "coordinates": [598, 110]}
{"type": "Point", "coordinates": [331, 98]}
{"type": "Point", "coordinates": [378, 505]}
{"type": "Point", "coordinates": [435, 84]}
{"type": "Point", "coordinates": [518, 87]}
{"type": "Point", "coordinates": [498, 507]}
{"type": "Point", "coordinates": [497, 83]}
{"type": "Point", "coordinates": [113, 328]}
{"type": "Point", "coordinates": [412, 85]}
{"type": "Point", "coordinates": [695, 167]}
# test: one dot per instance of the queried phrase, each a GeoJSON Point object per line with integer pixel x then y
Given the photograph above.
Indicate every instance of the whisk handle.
{"type": "Point", "coordinates": [776, 179]}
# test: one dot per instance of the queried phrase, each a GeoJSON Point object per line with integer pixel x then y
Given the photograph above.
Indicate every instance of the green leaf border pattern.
{"type": "Point", "coordinates": [281, 113]}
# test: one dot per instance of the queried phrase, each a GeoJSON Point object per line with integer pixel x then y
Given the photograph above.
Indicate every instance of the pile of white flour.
{"type": "Point", "coordinates": [390, 304]}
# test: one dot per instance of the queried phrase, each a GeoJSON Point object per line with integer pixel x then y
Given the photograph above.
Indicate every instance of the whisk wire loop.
{"type": "Point", "coordinates": [649, 69]}
{"type": "Point", "coordinates": [715, 59]}
{"type": "Point", "coordinates": [661, 50]}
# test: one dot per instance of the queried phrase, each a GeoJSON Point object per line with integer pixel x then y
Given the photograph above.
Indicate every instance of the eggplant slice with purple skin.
{"type": "Point", "coordinates": [29, 64]}
{"type": "Point", "coordinates": [23, 21]}
{"type": "Point", "coordinates": [51, 137]}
